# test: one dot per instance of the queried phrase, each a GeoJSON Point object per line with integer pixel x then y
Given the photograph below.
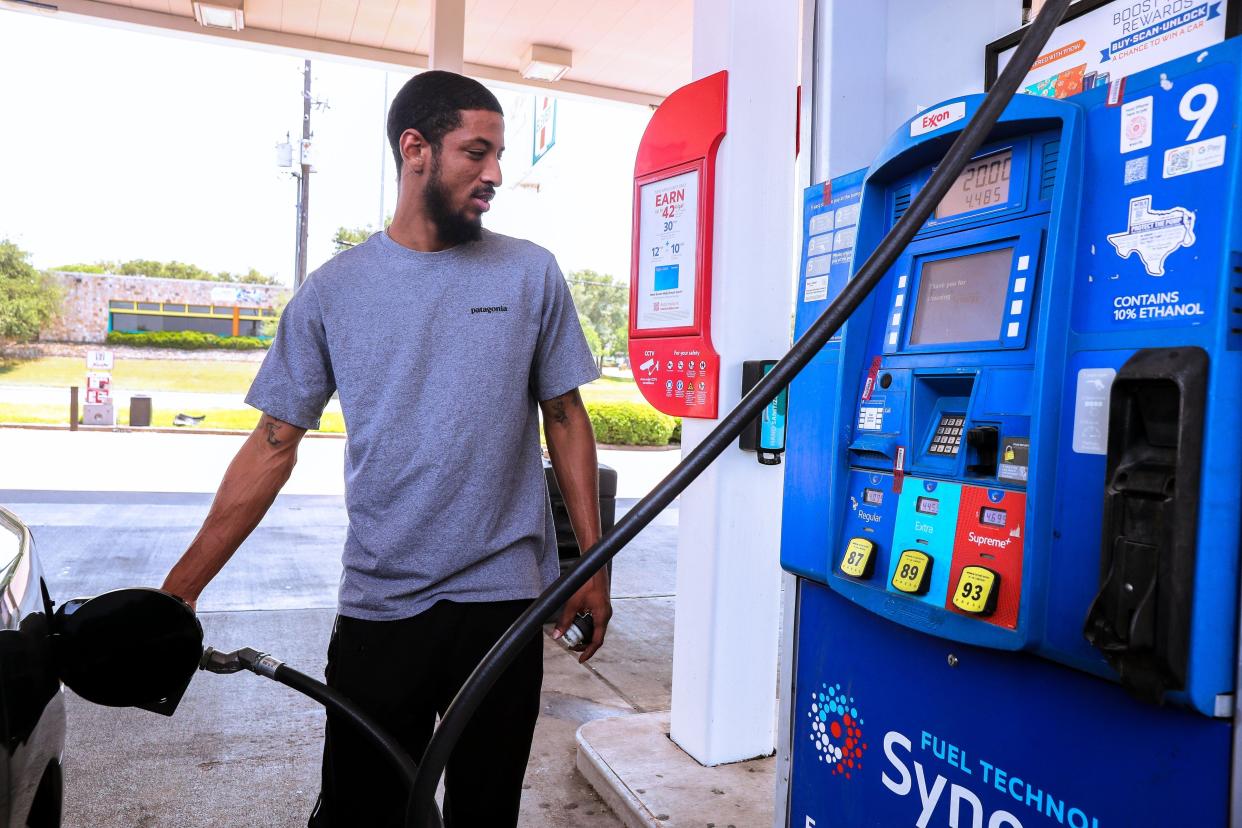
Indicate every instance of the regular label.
{"type": "Point", "coordinates": [1091, 402]}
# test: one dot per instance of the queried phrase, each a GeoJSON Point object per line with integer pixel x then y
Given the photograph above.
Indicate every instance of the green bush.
{"type": "Point", "coordinates": [630, 424]}
{"type": "Point", "coordinates": [676, 436]}
{"type": "Point", "coordinates": [187, 341]}
{"type": "Point", "coordinates": [28, 299]}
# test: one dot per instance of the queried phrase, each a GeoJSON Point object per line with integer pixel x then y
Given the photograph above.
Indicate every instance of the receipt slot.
{"type": "Point", "coordinates": [1013, 486]}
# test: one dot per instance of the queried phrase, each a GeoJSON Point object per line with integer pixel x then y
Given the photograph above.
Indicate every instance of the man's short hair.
{"type": "Point", "coordinates": [432, 102]}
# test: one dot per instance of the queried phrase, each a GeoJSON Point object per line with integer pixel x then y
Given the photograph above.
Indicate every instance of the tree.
{"type": "Point", "coordinates": [347, 237]}
{"type": "Point", "coordinates": [171, 270]}
{"type": "Point", "coordinates": [603, 302]}
{"type": "Point", "coordinates": [592, 338]}
{"type": "Point", "coordinates": [28, 298]}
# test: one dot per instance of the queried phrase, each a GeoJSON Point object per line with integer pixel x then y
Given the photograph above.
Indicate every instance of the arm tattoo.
{"type": "Point", "coordinates": [557, 412]}
{"type": "Point", "coordinates": [272, 429]}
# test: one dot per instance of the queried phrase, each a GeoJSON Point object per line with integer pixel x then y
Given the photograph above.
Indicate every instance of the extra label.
{"type": "Point", "coordinates": [859, 559]}
{"type": "Point", "coordinates": [913, 573]}
{"type": "Point", "coordinates": [976, 590]}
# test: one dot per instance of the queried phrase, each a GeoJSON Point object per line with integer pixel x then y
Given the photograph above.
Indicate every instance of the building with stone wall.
{"type": "Point", "coordinates": [95, 304]}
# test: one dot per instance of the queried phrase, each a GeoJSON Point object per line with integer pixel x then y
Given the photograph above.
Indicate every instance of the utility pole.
{"type": "Point", "coordinates": [299, 273]}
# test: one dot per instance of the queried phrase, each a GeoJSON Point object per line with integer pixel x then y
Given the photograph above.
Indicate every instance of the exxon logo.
{"type": "Point", "coordinates": [934, 119]}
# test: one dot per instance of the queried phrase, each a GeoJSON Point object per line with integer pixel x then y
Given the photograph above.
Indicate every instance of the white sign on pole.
{"type": "Point", "coordinates": [1118, 39]}
{"type": "Point", "coordinates": [98, 360]}
{"type": "Point", "coordinates": [668, 251]}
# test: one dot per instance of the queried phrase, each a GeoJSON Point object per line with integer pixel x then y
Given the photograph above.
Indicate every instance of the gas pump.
{"type": "Point", "coordinates": [1012, 496]}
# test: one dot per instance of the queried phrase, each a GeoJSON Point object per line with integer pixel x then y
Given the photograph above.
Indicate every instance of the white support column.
{"type": "Point", "coordinates": [448, 35]}
{"type": "Point", "coordinates": [728, 573]}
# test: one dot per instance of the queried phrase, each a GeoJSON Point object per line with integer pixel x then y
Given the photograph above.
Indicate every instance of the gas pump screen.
{"type": "Point", "coordinates": [962, 299]}
{"type": "Point", "coordinates": [983, 183]}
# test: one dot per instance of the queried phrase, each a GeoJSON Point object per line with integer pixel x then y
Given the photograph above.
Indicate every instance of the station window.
{"type": "Point", "coordinates": [143, 322]}
{"type": "Point", "coordinates": [247, 311]}
{"type": "Point", "coordinates": [115, 305]}
{"type": "Point", "coordinates": [200, 308]}
{"type": "Point", "coordinates": [174, 307]}
{"type": "Point", "coordinates": [148, 306]}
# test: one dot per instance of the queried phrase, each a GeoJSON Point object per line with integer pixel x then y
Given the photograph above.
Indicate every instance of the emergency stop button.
{"type": "Point", "coordinates": [859, 559]}
{"type": "Point", "coordinates": [977, 590]}
{"type": "Point", "coordinates": [913, 573]}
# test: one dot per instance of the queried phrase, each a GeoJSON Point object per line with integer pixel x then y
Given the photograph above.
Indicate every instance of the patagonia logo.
{"type": "Point", "coordinates": [492, 309]}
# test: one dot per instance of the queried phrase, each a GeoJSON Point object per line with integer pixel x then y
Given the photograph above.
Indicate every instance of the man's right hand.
{"type": "Point", "coordinates": [254, 478]}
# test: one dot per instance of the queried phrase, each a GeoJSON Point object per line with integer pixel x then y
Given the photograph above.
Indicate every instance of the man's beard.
{"type": "Point", "coordinates": [454, 228]}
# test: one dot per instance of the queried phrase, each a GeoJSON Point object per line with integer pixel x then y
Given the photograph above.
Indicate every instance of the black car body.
{"type": "Point", "coordinates": [32, 704]}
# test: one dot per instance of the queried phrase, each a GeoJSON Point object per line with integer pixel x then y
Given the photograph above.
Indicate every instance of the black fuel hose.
{"type": "Point", "coordinates": [336, 703]}
{"type": "Point", "coordinates": [800, 353]}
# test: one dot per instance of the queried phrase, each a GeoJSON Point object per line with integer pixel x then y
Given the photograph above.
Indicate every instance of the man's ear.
{"type": "Point", "coordinates": [415, 152]}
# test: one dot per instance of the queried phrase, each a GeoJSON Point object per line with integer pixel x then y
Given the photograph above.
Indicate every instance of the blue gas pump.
{"type": "Point", "coordinates": [1013, 485]}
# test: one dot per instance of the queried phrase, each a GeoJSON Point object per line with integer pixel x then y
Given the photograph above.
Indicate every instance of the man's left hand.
{"type": "Point", "coordinates": [592, 597]}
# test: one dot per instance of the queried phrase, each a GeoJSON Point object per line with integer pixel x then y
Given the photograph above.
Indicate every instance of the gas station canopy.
{"type": "Point", "coordinates": [635, 52]}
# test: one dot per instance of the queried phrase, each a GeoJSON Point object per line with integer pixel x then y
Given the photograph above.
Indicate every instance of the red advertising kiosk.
{"type": "Point", "coordinates": [671, 353]}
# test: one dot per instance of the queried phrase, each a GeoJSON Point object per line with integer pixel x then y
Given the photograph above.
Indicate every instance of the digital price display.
{"type": "Point", "coordinates": [984, 182]}
{"type": "Point", "coordinates": [873, 497]}
{"type": "Point", "coordinates": [927, 506]}
{"type": "Point", "coordinates": [992, 517]}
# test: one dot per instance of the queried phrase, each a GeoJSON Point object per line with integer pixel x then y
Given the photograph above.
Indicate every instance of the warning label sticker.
{"type": "Point", "coordinates": [1136, 124]}
{"type": "Point", "coordinates": [1154, 234]}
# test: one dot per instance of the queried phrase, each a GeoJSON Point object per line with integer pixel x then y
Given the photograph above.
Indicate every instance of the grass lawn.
{"type": "Point", "coordinates": [207, 377]}
{"type": "Point", "coordinates": [217, 418]}
{"type": "Point", "coordinates": [202, 376]}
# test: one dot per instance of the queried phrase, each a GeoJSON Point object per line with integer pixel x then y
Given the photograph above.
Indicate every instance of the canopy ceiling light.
{"type": "Point", "coordinates": [546, 63]}
{"type": "Point", "coordinates": [220, 14]}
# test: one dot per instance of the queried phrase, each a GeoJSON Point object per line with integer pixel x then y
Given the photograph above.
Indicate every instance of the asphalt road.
{"type": "Point", "coordinates": [243, 751]}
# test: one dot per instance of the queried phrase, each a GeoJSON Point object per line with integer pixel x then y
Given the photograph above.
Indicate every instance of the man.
{"type": "Point", "coordinates": [439, 338]}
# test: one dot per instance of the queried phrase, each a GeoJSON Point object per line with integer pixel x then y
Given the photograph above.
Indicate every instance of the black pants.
{"type": "Point", "coordinates": [404, 673]}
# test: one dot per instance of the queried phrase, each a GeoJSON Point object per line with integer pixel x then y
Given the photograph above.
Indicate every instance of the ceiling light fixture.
{"type": "Point", "coordinates": [220, 14]}
{"type": "Point", "coordinates": [546, 63]}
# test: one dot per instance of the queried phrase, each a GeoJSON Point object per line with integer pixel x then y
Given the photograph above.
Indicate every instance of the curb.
{"type": "Point", "coordinates": [615, 793]}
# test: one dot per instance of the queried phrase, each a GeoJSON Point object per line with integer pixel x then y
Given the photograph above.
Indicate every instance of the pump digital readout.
{"type": "Point", "coordinates": [859, 560]}
{"type": "Point", "coordinates": [983, 183]}
{"type": "Point", "coordinates": [992, 517]}
{"type": "Point", "coordinates": [873, 497]}
{"type": "Point", "coordinates": [977, 590]}
{"type": "Point", "coordinates": [927, 506]}
{"type": "Point", "coordinates": [912, 575]}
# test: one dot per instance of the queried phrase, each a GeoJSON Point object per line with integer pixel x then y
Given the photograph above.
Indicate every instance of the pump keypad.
{"type": "Point", "coordinates": [913, 573]}
{"type": "Point", "coordinates": [977, 590]}
{"type": "Point", "coordinates": [947, 439]}
{"type": "Point", "coordinates": [859, 559]}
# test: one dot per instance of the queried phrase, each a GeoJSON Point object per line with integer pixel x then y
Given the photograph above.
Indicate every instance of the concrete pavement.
{"type": "Point", "coordinates": [134, 461]}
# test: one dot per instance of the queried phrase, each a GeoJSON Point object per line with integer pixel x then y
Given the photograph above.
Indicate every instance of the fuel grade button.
{"type": "Point", "coordinates": [977, 590]}
{"type": "Point", "coordinates": [859, 559]}
{"type": "Point", "coordinates": [913, 573]}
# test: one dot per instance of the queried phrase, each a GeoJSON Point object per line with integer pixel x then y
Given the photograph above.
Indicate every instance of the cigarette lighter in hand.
{"type": "Point", "coordinates": [580, 632]}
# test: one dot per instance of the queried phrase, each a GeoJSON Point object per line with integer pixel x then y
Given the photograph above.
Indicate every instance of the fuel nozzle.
{"type": "Point", "coordinates": [247, 658]}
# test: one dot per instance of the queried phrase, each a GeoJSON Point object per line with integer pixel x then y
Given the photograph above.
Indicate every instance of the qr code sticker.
{"type": "Point", "coordinates": [1136, 170]}
{"type": "Point", "coordinates": [1178, 161]}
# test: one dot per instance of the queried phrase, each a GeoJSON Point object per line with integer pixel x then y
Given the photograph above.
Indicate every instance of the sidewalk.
{"type": "Point", "coordinates": [103, 461]}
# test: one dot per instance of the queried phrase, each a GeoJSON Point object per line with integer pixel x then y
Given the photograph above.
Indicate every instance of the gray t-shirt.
{"type": "Point", "coordinates": [439, 359]}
